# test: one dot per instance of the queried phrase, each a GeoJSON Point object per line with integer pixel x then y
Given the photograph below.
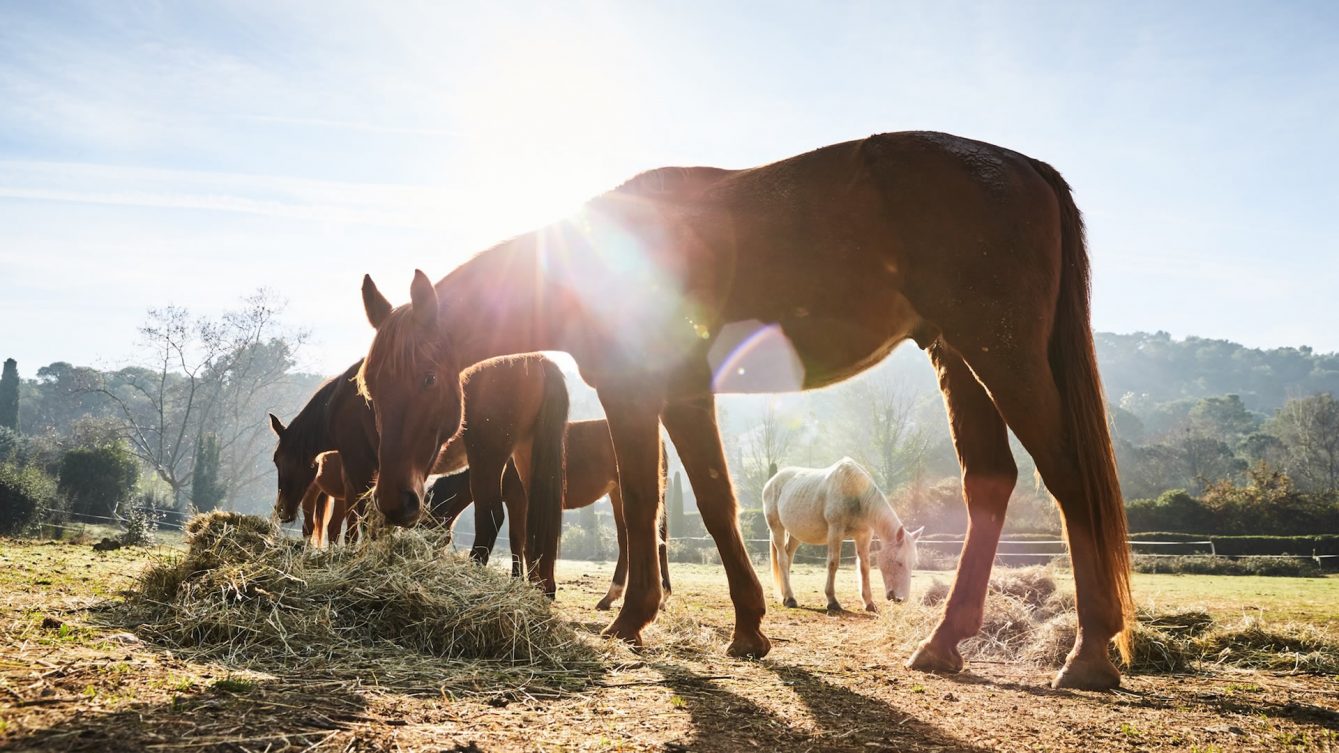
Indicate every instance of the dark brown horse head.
{"type": "Point", "coordinates": [295, 468]}
{"type": "Point", "coordinates": [414, 386]}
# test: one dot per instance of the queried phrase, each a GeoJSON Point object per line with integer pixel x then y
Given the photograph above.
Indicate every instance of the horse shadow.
{"type": "Point", "coordinates": [267, 715]}
{"type": "Point", "coordinates": [725, 720]}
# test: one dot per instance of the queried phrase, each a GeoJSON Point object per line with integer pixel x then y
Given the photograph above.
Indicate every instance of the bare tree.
{"type": "Point", "coordinates": [764, 449]}
{"type": "Point", "coordinates": [207, 377]}
{"type": "Point", "coordinates": [879, 419]}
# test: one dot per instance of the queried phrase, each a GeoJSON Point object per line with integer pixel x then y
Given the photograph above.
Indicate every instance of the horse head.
{"type": "Point", "coordinates": [896, 559]}
{"type": "Point", "coordinates": [295, 472]}
{"type": "Point", "coordinates": [414, 387]}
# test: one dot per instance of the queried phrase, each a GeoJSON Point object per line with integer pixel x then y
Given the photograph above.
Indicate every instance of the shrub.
{"type": "Point", "coordinates": [27, 497]}
{"type": "Point", "coordinates": [1205, 565]}
{"type": "Point", "coordinates": [141, 525]}
{"type": "Point", "coordinates": [97, 480]}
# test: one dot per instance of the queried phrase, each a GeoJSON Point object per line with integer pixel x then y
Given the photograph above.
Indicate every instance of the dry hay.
{"type": "Point", "coordinates": [400, 610]}
{"type": "Point", "coordinates": [1027, 618]}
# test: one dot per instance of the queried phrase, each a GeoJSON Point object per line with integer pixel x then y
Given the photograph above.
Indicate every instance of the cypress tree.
{"type": "Point", "coordinates": [9, 395]}
{"type": "Point", "coordinates": [676, 516]}
{"type": "Point", "coordinates": [206, 490]}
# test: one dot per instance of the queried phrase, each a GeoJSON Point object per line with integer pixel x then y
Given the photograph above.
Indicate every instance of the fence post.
{"type": "Point", "coordinates": [1213, 550]}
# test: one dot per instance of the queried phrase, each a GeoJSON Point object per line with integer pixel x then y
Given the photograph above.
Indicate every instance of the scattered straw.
{"type": "Point", "coordinates": [1027, 618]}
{"type": "Point", "coordinates": [398, 610]}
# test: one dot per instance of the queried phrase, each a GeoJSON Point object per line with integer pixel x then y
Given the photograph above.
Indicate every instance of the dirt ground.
{"type": "Point", "coordinates": [68, 685]}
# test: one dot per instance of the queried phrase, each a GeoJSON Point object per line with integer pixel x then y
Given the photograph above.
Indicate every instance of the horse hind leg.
{"type": "Point", "coordinates": [1025, 390]}
{"type": "Point", "coordinates": [781, 561]}
{"type": "Point", "coordinates": [988, 477]}
{"type": "Point", "coordinates": [620, 578]}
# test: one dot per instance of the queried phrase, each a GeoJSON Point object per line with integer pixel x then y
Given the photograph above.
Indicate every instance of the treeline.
{"type": "Point", "coordinates": [181, 431]}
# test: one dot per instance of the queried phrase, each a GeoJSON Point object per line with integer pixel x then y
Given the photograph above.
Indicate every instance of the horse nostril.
{"type": "Point", "coordinates": [410, 507]}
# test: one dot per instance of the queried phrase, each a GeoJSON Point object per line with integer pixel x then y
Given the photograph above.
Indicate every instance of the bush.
{"type": "Point", "coordinates": [1205, 565]}
{"type": "Point", "coordinates": [27, 498]}
{"type": "Point", "coordinates": [581, 543]}
{"type": "Point", "coordinates": [141, 525]}
{"type": "Point", "coordinates": [97, 480]}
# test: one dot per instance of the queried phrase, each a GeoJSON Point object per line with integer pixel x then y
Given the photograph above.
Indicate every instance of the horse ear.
{"type": "Point", "coordinates": [916, 534]}
{"type": "Point", "coordinates": [901, 534]}
{"type": "Point", "coordinates": [277, 425]}
{"type": "Point", "coordinates": [424, 297]}
{"type": "Point", "coordinates": [374, 303]}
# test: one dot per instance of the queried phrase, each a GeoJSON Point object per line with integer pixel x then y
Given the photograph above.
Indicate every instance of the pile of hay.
{"type": "Point", "coordinates": [1028, 619]}
{"type": "Point", "coordinates": [401, 610]}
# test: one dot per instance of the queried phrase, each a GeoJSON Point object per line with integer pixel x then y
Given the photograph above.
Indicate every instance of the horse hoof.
{"type": "Point", "coordinates": [874, 608]}
{"type": "Point", "coordinates": [929, 657]}
{"type": "Point", "coordinates": [630, 636]}
{"type": "Point", "coordinates": [835, 608]}
{"type": "Point", "coordinates": [754, 646]}
{"type": "Point", "coordinates": [604, 605]}
{"type": "Point", "coordinates": [790, 603]}
{"type": "Point", "coordinates": [1088, 674]}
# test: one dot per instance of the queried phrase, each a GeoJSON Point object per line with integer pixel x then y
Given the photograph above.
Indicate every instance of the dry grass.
{"type": "Point", "coordinates": [1028, 619]}
{"type": "Point", "coordinates": [400, 610]}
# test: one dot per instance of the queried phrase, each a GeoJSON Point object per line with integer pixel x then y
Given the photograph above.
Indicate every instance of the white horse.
{"type": "Point", "coordinates": [830, 505]}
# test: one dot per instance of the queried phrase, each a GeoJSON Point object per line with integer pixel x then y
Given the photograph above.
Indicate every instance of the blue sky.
{"type": "Point", "coordinates": [190, 152]}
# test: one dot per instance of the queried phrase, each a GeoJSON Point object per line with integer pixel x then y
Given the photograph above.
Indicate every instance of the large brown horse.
{"type": "Point", "coordinates": [664, 288]}
{"type": "Point", "coordinates": [515, 408]}
{"type": "Point", "coordinates": [592, 473]}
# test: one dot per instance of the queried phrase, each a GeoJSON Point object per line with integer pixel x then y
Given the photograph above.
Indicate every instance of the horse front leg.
{"type": "Point", "coordinates": [635, 429]}
{"type": "Point", "coordinates": [862, 565]}
{"type": "Point", "coordinates": [691, 425]}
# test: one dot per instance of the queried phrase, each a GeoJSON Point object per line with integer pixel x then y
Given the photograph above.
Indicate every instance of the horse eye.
{"type": "Point", "coordinates": [429, 380]}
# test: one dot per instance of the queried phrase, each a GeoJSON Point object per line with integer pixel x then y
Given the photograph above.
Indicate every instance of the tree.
{"type": "Point", "coordinates": [207, 492]}
{"type": "Point", "coordinates": [1224, 417]}
{"type": "Point", "coordinates": [763, 448]}
{"type": "Point", "coordinates": [1309, 428]}
{"type": "Point", "coordinates": [879, 417]}
{"type": "Point", "coordinates": [678, 525]}
{"type": "Point", "coordinates": [9, 395]}
{"type": "Point", "coordinates": [98, 480]}
{"type": "Point", "coordinates": [209, 376]}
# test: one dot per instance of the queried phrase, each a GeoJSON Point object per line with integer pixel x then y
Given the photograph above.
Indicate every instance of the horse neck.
{"type": "Point", "coordinates": [882, 518]}
{"type": "Point", "coordinates": [500, 303]}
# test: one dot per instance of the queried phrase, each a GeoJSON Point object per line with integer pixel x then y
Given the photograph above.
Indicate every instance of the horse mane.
{"type": "Point", "coordinates": [398, 349]}
{"type": "Point", "coordinates": [663, 182]}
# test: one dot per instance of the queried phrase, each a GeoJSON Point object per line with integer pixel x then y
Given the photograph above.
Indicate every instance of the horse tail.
{"type": "Point", "coordinates": [548, 478]}
{"type": "Point", "coordinates": [1073, 362]}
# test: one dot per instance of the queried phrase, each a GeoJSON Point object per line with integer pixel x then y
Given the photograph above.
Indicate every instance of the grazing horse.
{"type": "Point", "coordinates": [684, 282]}
{"type": "Point", "coordinates": [592, 473]}
{"type": "Point", "coordinates": [828, 506]}
{"type": "Point", "coordinates": [335, 418]}
{"type": "Point", "coordinates": [515, 408]}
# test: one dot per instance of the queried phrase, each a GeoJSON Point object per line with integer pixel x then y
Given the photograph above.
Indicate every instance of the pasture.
{"type": "Point", "coordinates": [70, 682]}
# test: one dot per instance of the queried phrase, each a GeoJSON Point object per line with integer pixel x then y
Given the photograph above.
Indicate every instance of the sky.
{"type": "Point", "coordinates": [191, 152]}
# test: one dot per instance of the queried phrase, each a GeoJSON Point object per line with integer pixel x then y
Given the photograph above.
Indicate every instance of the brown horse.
{"type": "Point", "coordinates": [515, 407]}
{"type": "Point", "coordinates": [592, 473]}
{"type": "Point", "coordinates": [663, 288]}
{"type": "Point", "coordinates": [335, 418]}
